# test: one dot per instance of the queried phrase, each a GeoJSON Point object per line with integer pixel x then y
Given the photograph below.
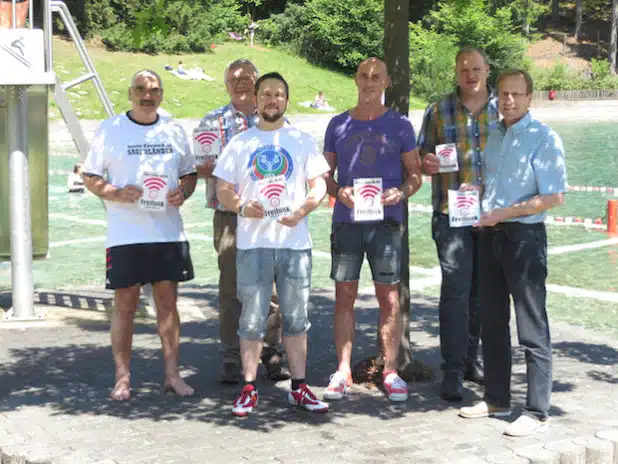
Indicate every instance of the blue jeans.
{"type": "Point", "coordinates": [256, 270]}
{"type": "Point", "coordinates": [513, 260]}
{"type": "Point", "coordinates": [460, 324]}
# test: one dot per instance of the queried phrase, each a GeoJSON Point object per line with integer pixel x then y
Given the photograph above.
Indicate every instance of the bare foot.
{"type": "Point", "coordinates": [178, 386]}
{"type": "Point", "coordinates": [122, 389]}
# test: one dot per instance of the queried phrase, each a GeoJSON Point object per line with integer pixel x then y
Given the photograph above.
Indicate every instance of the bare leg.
{"type": "Point", "coordinates": [125, 300]}
{"type": "Point", "coordinates": [250, 352]}
{"type": "Point", "coordinates": [165, 295]}
{"type": "Point", "coordinates": [296, 348]}
{"type": "Point", "coordinates": [390, 323]}
{"type": "Point", "coordinates": [345, 296]}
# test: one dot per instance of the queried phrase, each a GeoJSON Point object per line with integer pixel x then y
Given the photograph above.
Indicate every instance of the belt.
{"type": "Point", "coordinates": [517, 226]}
{"type": "Point", "coordinates": [225, 213]}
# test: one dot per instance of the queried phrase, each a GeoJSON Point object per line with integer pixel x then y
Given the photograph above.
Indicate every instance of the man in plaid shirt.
{"type": "Point", "coordinates": [459, 121]}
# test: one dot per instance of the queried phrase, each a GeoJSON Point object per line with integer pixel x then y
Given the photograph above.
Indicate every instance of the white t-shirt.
{"type": "Point", "coordinates": [255, 154]}
{"type": "Point", "coordinates": [122, 152]}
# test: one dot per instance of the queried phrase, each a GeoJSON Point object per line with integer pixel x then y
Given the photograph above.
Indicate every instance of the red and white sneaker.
{"type": "Point", "coordinates": [338, 386]}
{"type": "Point", "coordinates": [305, 398]}
{"type": "Point", "coordinates": [396, 388]}
{"type": "Point", "coordinates": [245, 403]}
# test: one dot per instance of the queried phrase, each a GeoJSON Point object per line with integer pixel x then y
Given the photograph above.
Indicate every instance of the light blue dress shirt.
{"type": "Point", "coordinates": [521, 162]}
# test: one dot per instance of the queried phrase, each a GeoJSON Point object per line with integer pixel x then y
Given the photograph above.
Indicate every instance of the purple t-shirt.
{"type": "Point", "coordinates": [369, 149]}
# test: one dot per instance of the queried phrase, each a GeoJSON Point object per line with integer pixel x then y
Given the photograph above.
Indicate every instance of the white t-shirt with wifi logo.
{"type": "Point", "coordinates": [258, 163]}
{"type": "Point", "coordinates": [152, 157]}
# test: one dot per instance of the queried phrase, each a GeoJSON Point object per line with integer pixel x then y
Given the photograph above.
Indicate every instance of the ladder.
{"type": "Point", "coordinates": [60, 89]}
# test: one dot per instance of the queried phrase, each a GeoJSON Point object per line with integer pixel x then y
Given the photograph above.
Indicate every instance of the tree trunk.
{"type": "Point", "coordinates": [578, 20]}
{"type": "Point", "coordinates": [613, 42]}
{"type": "Point", "coordinates": [555, 11]}
{"type": "Point", "coordinates": [396, 54]}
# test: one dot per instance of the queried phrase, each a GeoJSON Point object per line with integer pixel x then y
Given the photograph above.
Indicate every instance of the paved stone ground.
{"type": "Point", "coordinates": [55, 380]}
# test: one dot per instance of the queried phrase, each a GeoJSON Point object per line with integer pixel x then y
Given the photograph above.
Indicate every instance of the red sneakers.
{"type": "Point", "coordinates": [245, 403]}
{"type": "Point", "coordinates": [305, 398]}
{"type": "Point", "coordinates": [396, 388]}
{"type": "Point", "coordinates": [338, 386]}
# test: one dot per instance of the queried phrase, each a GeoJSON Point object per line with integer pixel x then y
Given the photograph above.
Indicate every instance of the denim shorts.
{"type": "Point", "coordinates": [256, 270]}
{"type": "Point", "coordinates": [381, 242]}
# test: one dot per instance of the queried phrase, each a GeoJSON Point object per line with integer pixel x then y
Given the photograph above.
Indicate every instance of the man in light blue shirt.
{"type": "Point", "coordinates": [525, 175]}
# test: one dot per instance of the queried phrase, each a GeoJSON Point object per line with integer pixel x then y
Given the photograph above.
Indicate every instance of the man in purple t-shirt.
{"type": "Point", "coordinates": [374, 152]}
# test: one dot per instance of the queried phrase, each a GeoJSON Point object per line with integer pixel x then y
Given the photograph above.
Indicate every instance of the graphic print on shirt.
{"type": "Point", "coordinates": [368, 146]}
{"type": "Point", "coordinates": [150, 149]}
{"type": "Point", "coordinates": [269, 161]}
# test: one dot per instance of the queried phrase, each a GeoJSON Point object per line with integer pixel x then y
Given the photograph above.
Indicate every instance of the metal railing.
{"type": "Point", "coordinates": [577, 95]}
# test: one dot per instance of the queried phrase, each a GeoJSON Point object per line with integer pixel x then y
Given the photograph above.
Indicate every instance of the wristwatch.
{"type": "Point", "coordinates": [241, 211]}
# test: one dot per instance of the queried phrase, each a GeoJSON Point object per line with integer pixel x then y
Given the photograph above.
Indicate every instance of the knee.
{"type": "Point", "coordinates": [126, 311]}
{"type": "Point", "coordinates": [251, 328]}
{"type": "Point", "coordinates": [296, 325]}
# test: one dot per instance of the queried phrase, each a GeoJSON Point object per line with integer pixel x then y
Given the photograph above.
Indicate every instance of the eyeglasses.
{"type": "Point", "coordinates": [515, 95]}
{"type": "Point", "coordinates": [141, 91]}
{"type": "Point", "coordinates": [241, 80]}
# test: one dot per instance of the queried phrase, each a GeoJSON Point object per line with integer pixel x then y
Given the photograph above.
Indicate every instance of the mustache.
{"type": "Point", "coordinates": [144, 102]}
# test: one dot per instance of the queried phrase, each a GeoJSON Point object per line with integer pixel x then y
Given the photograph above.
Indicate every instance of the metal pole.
{"type": "Point", "coordinates": [14, 14]}
{"type": "Point", "coordinates": [48, 34]}
{"type": "Point", "coordinates": [19, 203]}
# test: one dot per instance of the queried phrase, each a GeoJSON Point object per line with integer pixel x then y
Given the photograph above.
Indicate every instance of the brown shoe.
{"type": "Point", "coordinates": [483, 409]}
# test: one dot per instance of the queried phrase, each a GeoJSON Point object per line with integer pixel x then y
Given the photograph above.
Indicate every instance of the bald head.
{"type": "Point", "coordinates": [371, 80]}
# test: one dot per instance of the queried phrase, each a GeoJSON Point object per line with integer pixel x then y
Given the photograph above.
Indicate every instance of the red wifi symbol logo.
{"type": "Point", "coordinates": [154, 183]}
{"type": "Point", "coordinates": [272, 191]}
{"type": "Point", "coordinates": [464, 201]}
{"type": "Point", "coordinates": [446, 152]}
{"type": "Point", "coordinates": [368, 191]}
{"type": "Point", "coordinates": [206, 139]}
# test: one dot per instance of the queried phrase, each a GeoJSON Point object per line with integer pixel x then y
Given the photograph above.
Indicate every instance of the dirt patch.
{"type": "Point", "coordinates": [549, 51]}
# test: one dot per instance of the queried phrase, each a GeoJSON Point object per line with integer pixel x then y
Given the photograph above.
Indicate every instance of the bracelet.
{"type": "Point", "coordinates": [241, 211]}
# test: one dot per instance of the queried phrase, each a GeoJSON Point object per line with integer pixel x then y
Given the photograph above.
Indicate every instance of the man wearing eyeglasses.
{"type": "Point", "coordinates": [525, 175]}
{"type": "Point", "coordinates": [215, 131]}
{"type": "Point", "coordinates": [143, 168]}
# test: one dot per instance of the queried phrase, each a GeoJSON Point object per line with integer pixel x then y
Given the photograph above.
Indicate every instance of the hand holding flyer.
{"type": "Point", "coordinates": [368, 199]}
{"type": "Point", "coordinates": [464, 208]}
{"type": "Point", "coordinates": [447, 154]}
{"type": "Point", "coordinates": [206, 146]}
{"type": "Point", "coordinates": [273, 196]}
{"type": "Point", "coordinates": [155, 188]}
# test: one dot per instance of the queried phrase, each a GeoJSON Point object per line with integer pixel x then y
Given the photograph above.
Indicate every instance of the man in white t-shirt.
{"type": "Point", "coordinates": [263, 176]}
{"type": "Point", "coordinates": [141, 165]}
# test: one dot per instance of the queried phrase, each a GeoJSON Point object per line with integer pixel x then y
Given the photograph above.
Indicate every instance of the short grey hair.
{"type": "Point", "coordinates": [145, 72]}
{"type": "Point", "coordinates": [237, 64]}
{"type": "Point", "coordinates": [470, 49]}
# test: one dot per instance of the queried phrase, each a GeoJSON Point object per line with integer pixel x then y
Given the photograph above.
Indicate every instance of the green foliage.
{"type": "Point", "coordinates": [560, 77]}
{"type": "Point", "coordinates": [432, 58]}
{"type": "Point", "coordinates": [285, 30]}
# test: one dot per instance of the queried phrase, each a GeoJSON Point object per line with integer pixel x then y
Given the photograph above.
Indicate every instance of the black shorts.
{"type": "Point", "coordinates": [143, 263]}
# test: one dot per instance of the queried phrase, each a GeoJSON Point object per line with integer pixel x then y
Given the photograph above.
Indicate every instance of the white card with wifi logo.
{"type": "Point", "coordinates": [464, 208]}
{"type": "Point", "coordinates": [368, 199]}
{"type": "Point", "coordinates": [155, 188]}
{"type": "Point", "coordinates": [274, 197]}
{"type": "Point", "coordinates": [206, 144]}
{"type": "Point", "coordinates": [447, 154]}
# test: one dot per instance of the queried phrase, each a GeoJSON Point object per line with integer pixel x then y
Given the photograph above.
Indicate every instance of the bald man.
{"type": "Point", "coordinates": [373, 149]}
{"type": "Point", "coordinates": [141, 165]}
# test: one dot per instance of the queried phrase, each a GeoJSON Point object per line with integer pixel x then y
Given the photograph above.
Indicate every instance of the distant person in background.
{"type": "Point", "coordinates": [6, 13]}
{"type": "Point", "coordinates": [75, 182]}
{"type": "Point", "coordinates": [320, 101]}
{"type": "Point", "coordinates": [251, 29]}
{"type": "Point", "coordinates": [181, 68]}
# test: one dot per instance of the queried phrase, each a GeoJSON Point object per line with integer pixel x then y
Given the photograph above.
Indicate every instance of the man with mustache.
{"type": "Point", "coordinates": [458, 123]}
{"type": "Point", "coordinates": [369, 144]}
{"type": "Point", "coordinates": [142, 166]}
{"type": "Point", "coordinates": [224, 123]}
{"type": "Point", "coordinates": [263, 177]}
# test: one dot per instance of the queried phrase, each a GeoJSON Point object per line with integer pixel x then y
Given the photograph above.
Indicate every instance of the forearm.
{"type": "Point", "coordinates": [412, 184]}
{"type": "Point", "coordinates": [314, 198]}
{"type": "Point", "coordinates": [229, 199]}
{"type": "Point", "coordinates": [534, 205]}
{"type": "Point", "coordinates": [100, 187]}
{"type": "Point", "coordinates": [332, 187]}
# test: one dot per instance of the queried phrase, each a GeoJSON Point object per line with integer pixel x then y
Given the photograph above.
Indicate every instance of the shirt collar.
{"type": "Point", "coordinates": [519, 126]}
{"type": "Point", "coordinates": [491, 95]}
{"type": "Point", "coordinates": [236, 111]}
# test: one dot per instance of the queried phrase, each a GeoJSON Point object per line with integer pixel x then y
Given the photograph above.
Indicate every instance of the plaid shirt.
{"type": "Point", "coordinates": [449, 121]}
{"type": "Point", "coordinates": [226, 121]}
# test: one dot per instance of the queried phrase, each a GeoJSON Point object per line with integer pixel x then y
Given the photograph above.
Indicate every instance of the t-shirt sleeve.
{"type": "Point", "coordinates": [550, 166]}
{"type": "Point", "coordinates": [329, 138]}
{"type": "Point", "coordinates": [96, 162]}
{"type": "Point", "coordinates": [225, 169]}
{"type": "Point", "coordinates": [409, 137]}
{"type": "Point", "coordinates": [186, 165]}
{"type": "Point", "coordinates": [316, 164]}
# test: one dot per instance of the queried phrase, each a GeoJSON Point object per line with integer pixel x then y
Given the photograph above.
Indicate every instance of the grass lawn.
{"type": "Point", "coordinates": [193, 99]}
